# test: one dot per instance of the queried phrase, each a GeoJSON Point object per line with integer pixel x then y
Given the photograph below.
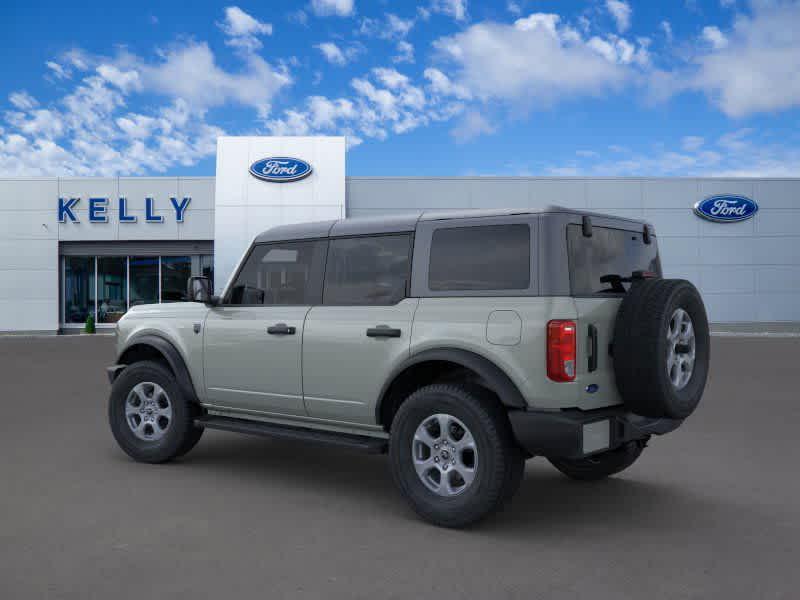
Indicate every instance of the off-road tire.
{"type": "Point", "coordinates": [500, 461]}
{"type": "Point", "coordinates": [641, 348]}
{"type": "Point", "coordinates": [181, 435]}
{"type": "Point", "coordinates": [599, 466]}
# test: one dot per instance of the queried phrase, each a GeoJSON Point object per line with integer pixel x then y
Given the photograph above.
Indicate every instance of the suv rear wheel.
{"type": "Point", "coordinates": [149, 417]}
{"type": "Point", "coordinates": [453, 455]}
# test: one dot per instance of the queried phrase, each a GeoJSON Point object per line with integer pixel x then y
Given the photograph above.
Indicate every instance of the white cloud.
{"type": "Point", "coordinates": [405, 53]}
{"type": "Point", "coordinates": [339, 8]}
{"type": "Point", "coordinates": [735, 154]}
{"type": "Point", "coordinates": [127, 80]}
{"type": "Point", "coordinates": [666, 27]}
{"type": "Point", "coordinates": [621, 11]}
{"type": "Point", "coordinates": [441, 84]}
{"type": "Point", "coordinates": [190, 72]}
{"type": "Point", "coordinates": [398, 27]}
{"type": "Point", "coordinates": [336, 55]}
{"type": "Point", "coordinates": [243, 29]}
{"type": "Point", "coordinates": [471, 125]}
{"type": "Point", "coordinates": [385, 101]}
{"type": "Point", "coordinates": [58, 70]}
{"type": "Point", "coordinates": [90, 130]}
{"type": "Point", "coordinates": [692, 143]}
{"type": "Point", "coordinates": [514, 8]}
{"type": "Point", "coordinates": [715, 37]}
{"type": "Point", "coordinates": [391, 27]}
{"type": "Point", "coordinates": [727, 3]}
{"type": "Point", "coordinates": [758, 70]}
{"type": "Point", "coordinates": [22, 100]}
{"type": "Point", "coordinates": [453, 8]}
{"type": "Point", "coordinates": [537, 60]}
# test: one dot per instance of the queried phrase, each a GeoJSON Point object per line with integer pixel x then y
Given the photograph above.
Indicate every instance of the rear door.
{"type": "Point", "coordinates": [253, 340]}
{"type": "Point", "coordinates": [610, 251]}
{"type": "Point", "coordinates": [362, 329]}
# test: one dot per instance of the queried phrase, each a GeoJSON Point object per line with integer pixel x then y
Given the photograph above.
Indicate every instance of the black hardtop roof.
{"type": "Point", "coordinates": [404, 222]}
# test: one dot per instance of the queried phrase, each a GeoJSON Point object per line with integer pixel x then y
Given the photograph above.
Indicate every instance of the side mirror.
{"type": "Point", "coordinates": [199, 290]}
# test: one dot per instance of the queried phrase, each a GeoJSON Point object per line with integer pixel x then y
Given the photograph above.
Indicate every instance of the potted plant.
{"type": "Point", "coordinates": [89, 328]}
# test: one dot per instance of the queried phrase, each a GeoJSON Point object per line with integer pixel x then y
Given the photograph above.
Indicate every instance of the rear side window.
{"type": "Point", "coordinates": [285, 273]}
{"type": "Point", "coordinates": [607, 252]}
{"type": "Point", "coordinates": [367, 270]}
{"type": "Point", "coordinates": [484, 257]}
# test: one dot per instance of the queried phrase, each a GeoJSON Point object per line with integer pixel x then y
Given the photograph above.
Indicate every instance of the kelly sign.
{"type": "Point", "coordinates": [99, 208]}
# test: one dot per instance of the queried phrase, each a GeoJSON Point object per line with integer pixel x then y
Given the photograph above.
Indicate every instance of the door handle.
{"type": "Point", "coordinates": [383, 331]}
{"type": "Point", "coordinates": [281, 329]}
{"type": "Point", "coordinates": [592, 348]}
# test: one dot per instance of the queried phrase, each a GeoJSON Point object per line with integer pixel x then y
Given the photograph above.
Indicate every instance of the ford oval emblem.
{"type": "Point", "coordinates": [726, 209]}
{"type": "Point", "coordinates": [280, 169]}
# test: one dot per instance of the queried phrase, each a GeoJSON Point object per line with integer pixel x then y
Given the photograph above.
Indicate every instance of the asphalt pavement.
{"type": "Point", "coordinates": [710, 511]}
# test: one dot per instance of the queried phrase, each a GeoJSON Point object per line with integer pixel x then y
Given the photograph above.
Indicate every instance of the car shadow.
{"type": "Point", "coordinates": [547, 503]}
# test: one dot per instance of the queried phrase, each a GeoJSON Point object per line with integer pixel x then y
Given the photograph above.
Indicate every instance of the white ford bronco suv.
{"type": "Point", "coordinates": [461, 343]}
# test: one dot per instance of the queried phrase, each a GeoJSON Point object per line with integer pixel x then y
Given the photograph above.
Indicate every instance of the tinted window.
{"type": "Point", "coordinates": [607, 252]}
{"type": "Point", "coordinates": [282, 273]}
{"type": "Point", "coordinates": [367, 270]}
{"type": "Point", "coordinates": [487, 257]}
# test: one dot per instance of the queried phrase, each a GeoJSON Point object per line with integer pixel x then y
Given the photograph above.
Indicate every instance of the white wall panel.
{"type": "Point", "coordinates": [246, 205]}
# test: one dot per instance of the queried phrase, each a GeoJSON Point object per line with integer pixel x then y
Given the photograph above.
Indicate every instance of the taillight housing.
{"type": "Point", "coordinates": [561, 350]}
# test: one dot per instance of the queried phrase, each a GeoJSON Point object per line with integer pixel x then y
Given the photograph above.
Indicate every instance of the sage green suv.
{"type": "Point", "coordinates": [461, 343]}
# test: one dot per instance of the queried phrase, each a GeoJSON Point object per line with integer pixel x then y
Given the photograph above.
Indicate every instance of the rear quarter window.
{"type": "Point", "coordinates": [481, 257]}
{"type": "Point", "coordinates": [608, 252]}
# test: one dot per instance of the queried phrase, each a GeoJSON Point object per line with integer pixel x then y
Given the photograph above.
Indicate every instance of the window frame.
{"type": "Point", "coordinates": [409, 274]}
{"type": "Point", "coordinates": [422, 253]}
{"type": "Point", "coordinates": [225, 302]}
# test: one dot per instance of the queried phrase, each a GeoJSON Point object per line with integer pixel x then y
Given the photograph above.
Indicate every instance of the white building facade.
{"type": "Point", "coordinates": [71, 248]}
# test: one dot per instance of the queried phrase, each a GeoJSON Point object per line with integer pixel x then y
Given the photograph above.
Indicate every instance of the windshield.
{"type": "Point", "coordinates": [608, 252]}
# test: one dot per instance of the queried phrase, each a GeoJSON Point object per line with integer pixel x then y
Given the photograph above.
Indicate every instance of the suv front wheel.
{"type": "Point", "coordinates": [149, 417]}
{"type": "Point", "coordinates": [453, 455]}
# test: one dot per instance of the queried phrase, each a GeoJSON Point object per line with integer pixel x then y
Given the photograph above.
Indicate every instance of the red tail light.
{"type": "Point", "coordinates": [561, 351]}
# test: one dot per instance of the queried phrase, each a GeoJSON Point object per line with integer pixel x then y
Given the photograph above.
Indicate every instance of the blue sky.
{"type": "Point", "coordinates": [437, 87]}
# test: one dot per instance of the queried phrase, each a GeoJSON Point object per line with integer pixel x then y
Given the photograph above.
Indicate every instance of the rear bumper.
{"type": "Point", "coordinates": [577, 433]}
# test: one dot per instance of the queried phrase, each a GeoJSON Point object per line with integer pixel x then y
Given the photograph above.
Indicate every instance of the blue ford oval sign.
{"type": "Point", "coordinates": [726, 209]}
{"type": "Point", "coordinates": [280, 169]}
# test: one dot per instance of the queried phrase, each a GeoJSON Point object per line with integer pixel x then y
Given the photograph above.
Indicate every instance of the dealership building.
{"type": "Point", "coordinates": [71, 248]}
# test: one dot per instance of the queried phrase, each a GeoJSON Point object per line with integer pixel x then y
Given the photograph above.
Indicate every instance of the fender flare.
{"type": "Point", "coordinates": [497, 379]}
{"type": "Point", "coordinates": [173, 357]}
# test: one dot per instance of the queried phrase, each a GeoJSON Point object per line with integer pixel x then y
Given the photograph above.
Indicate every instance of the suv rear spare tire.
{"type": "Point", "coordinates": [661, 348]}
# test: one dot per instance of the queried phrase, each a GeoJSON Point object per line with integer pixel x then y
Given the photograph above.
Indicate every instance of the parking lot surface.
{"type": "Point", "coordinates": [711, 511]}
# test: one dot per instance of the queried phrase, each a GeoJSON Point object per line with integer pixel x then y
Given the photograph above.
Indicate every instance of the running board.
{"type": "Point", "coordinates": [364, 443]}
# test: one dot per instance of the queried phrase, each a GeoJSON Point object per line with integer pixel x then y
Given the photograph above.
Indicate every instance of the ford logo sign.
{"type": "Point", "coordinates": [280, 169]}
{"type": "Point", "coordinates": [726, 209]}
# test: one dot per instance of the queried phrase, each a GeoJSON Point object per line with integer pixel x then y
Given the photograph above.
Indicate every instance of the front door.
{"type": "Point", "coordinates": [253, 339]}
{"type": "Point", "coordinates": [361, 331]}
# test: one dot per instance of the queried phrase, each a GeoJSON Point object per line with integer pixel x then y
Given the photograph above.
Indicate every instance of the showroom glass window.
{"type": "Point", "coordinates": [285, 273]}
{"type": "Point", "coordinates": [112, 288]}
{"type": "Point", "coordinates": [79, 288]}
{"type": "Point", "coordinates": [175, 273]}
{"type": "Point", "coordinates": [106, 286]}
{"type": "Point", "coordinates": [368, 270]}
{"type": "Point", "coordinates": [483, 257]}
{"type": "Point", "coordinates": [143, 279]}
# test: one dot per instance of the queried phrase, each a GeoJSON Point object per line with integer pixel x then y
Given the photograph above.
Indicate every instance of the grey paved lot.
{"type": "Point", "coordinates": [712, 511]}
